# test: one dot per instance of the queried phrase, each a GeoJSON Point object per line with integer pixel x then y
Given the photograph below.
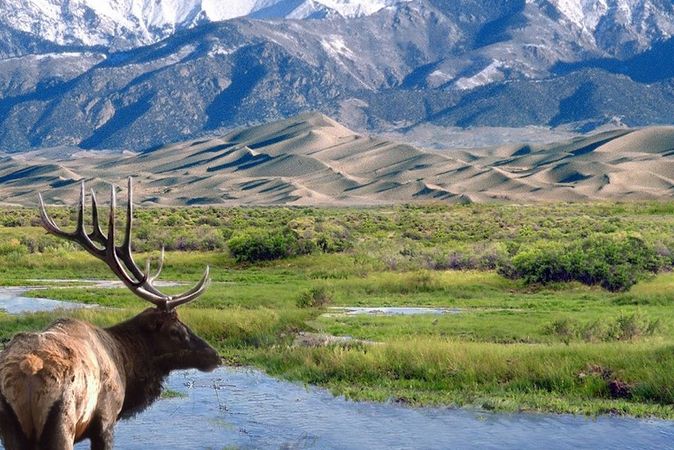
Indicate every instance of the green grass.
{"type": "Point", "coordinates": [509, 348]}
{"type": "Point", "coordinates": [170, 393]}
{"type": "Point", "coordinates": [514, 377]}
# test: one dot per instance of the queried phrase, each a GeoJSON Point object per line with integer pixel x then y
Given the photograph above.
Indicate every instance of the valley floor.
{"type": "Point", "coordinates": [507, 345]}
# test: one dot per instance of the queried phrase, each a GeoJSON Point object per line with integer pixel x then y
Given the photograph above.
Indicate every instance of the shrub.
{"type": "Point", "coordinates": [313, 234]}
{"type": "Point", "coordinates": [259, 245]}
{"type": "Point", "coordinates": [414, 282]}
{"type": "Point", "coordinates": [314, 298]}
{"type": "Point", "coordinates": [614, 262]}
{"type": "Point", "coordinates": [632, 326]}
{"type": "Point", "coordinates": [543, 262]}
{"type": "Point", "coordinates": [210, 238]}
{"type": "Point", "coordinates": [565, 329]}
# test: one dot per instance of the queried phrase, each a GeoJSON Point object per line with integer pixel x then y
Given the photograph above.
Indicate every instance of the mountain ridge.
{"type": "Point", "coordinates": [558, 64]}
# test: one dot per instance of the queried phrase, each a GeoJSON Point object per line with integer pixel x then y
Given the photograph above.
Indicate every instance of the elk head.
{"type": "Point", "coordinates": [170, 342]}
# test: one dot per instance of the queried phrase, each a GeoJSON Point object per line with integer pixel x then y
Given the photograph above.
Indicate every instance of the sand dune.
{"type": "Point", "coordinates": [312, 160]}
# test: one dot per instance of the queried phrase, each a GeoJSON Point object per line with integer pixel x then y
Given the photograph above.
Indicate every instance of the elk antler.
{"type": "Point", "coordinates": [119, 259]}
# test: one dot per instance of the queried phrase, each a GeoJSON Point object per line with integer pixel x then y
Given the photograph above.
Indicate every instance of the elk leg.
{"type": "Point", "coordinates": [101, 434]}
{"type": "Point", "coordinates": [11, 435]}
{"type": "Point", "coordinates": [58, 431]}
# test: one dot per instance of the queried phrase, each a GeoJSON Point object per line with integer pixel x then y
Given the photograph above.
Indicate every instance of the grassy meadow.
{"type": "Point", "coordinates": [554, 341]}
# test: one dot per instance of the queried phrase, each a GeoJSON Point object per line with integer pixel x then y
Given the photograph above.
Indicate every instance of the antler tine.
{"type": "Point", "coordinates": [48, 223]}
{"type": "Point", "coordinates": [79, 236]}
{"type": "Point", "coordinates": [111, 220]}
{"type": "Point", "coordinates": [190, 295]}
{"type": "Point", "coordinates": [111, 257]}
{"type": "Point", "coordinates": [80, 212]}
{"type": "Point", "coordinates": [159, 267]}
{"type": "Point", "coordinates": [114, 260]}
{"type": "Point", "coordinates": [129, 217]}
{"type": "Point", "coordinates": [96, 235]}
{"type": "Point", "coordinates": [124, 251]}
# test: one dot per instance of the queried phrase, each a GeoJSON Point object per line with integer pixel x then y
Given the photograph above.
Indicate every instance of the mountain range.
{"type": "Point", "coordinates": [124, 24]}
{"type": "Point", "coordinates": [116, 74]}
{"type": "Point", "coordinates": [312, 160]}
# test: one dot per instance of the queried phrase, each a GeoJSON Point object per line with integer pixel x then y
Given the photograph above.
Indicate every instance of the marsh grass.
{"type": "Point", "coordinates": [316, 297]}
{"type": "Point", "coordinates": [514, 377]}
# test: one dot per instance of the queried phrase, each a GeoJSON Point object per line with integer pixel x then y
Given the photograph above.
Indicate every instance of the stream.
{"type": "Point", "coordinates": [245, 408]}
{"type": "Point", "coordinates": [12, 302]}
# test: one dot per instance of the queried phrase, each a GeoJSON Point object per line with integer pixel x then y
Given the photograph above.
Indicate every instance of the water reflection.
{"type": "Point", "coordinates": [390, 310]}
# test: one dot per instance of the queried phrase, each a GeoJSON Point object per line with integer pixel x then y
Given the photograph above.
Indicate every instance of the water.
{"type": "Point", "coordinates": [391, 310]}
{"type": "Point", "coordinates": [12, 302]}
{"type": "Point", "coordinates": [243, 408]}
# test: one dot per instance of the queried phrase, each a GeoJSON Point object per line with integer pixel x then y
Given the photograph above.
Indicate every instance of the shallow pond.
{"type": "Point", "coordinates": [390, 310]}
{"type": "Point", "coordinates": [12, 302]}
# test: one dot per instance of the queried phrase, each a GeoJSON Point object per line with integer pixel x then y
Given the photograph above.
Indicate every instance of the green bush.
{"type": "Point", "coordinates": [260, 245]}
{"type": "Point", "coordinates": [614, 262]}
{"type": "Point", "coordinates": [315, 234]}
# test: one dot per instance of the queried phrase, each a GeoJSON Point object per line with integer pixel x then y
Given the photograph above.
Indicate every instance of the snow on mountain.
{"type": "Point", "coordinates": [619, 26]}
{"type": "Point", "coordinates": [129, 23]}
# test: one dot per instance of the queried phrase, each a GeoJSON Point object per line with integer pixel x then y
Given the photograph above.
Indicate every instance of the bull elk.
{"type": "Point", "coordinates": [74, 380]}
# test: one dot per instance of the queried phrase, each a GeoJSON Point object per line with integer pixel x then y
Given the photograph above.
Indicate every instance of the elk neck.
{"type": "Point", "coordinates": [144, 379]}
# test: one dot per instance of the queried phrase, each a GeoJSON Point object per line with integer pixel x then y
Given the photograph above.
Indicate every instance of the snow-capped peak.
{"type": "Point", "coordinates": [632, 24]}
{"type": "Point", "coordinates": [126, 23]}
{"type": "Point", "coordinates": [584, 14]}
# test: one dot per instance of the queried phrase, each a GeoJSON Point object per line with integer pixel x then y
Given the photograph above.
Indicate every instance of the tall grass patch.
{"type": "Point", "coordinates": [461, 372]}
